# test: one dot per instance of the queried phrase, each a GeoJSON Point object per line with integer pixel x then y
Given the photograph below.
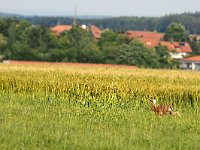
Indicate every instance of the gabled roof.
{"type": "Point", "coordinates": [150, 39]}
{"type": "Point", "coordinates": [179, 47]}
{"type": "Point", "coordinates": [141, 34]}
{"type": "Point", "coordinates": [58, 29]}
{"type": "Point", "coordinates": [95, 31]}
{"type": "Point", "coordinates": [150, 42]}
{"type": "Point", "coordinates": [194, 59]}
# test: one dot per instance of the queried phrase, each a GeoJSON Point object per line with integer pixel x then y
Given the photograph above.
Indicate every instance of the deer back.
{"type": "Point", "coordinates": [164, 109]}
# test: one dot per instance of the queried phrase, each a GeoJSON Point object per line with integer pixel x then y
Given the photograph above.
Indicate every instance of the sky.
{"type": "Point", "coordinates": [99, 7]}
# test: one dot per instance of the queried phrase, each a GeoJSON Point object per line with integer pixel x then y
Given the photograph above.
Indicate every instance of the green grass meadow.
{"type": "Point", "coordinates": [103, 108]}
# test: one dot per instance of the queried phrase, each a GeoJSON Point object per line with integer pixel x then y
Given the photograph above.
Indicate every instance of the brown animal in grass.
{"type": "Point", "coordinates": [162, 110]}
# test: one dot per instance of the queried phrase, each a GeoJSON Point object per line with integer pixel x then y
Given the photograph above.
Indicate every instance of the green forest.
{"type": "Point", "coordinates": [191, 21]}
{"type": "Point", "coordinates": [31, 39]}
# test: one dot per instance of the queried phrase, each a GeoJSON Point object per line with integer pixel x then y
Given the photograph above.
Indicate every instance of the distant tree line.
{"type": "Point", "coordinates": [191, 21]}
{"type": "Point", "coordinates": [21, 40]}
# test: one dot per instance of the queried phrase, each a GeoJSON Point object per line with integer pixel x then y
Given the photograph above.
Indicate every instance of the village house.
{"type": "Point", "coordinates": [95, 31]}
{"type": "Point", "coordinates": [190, 63]}
{"type": "Point", "coordinates": [58, 29]}
{"type": "Point", "coordinates": [148, 38]}
{"type": "Point", "coordinates": [177, 50]}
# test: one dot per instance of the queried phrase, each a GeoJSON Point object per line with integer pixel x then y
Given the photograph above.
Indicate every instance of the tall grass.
{"type": "Point", "coordinates": [67, 107]}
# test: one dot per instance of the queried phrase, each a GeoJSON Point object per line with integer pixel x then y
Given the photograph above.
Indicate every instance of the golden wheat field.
{"type": "Point", "coordinates": [68, 106]}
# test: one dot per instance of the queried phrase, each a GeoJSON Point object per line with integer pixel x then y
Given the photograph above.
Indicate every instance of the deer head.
{"type": "Point", "coordinates": [153, 101]}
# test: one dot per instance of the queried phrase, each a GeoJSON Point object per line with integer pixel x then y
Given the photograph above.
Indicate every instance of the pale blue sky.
{"type": "Point", "coordinates": [100, 7]}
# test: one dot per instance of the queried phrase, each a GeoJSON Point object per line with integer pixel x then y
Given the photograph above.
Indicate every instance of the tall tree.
{"type": "Point", "coordinates": [3, 43]}
{"type": "Point", "coordinates": [165, 60]}
{"type": "Point", "coordinates": [90, 53]}
{"type": "Point", "coordinates": [143, 56]}
{"type": "Point", "coordinates": [195, 44]}
{"type": "Point", "coordinates": [21, 26]}
{"type": "Point", "coordinates": [176, 32]}
{"type": "Point", "coordinates": [107, 38]}
{"type": "Point", "coordinates": [77, 37]}
{"type": "Point", "coordinates": [5, 24]}
{"type": "Point", "coordinates": [12, 34]}
{"type": "Point", "coordinates": [125, 55]}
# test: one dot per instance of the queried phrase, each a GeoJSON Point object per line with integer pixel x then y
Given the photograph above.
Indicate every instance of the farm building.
{"type": "Point", "coordinates": [190, 63]}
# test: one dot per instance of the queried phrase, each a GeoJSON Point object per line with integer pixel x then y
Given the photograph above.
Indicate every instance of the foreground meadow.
{"type": "Point", "coordinates": [96, 107]}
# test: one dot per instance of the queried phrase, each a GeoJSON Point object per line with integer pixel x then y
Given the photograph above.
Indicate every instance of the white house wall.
{"type": "Point", "coordinates": [177, 55]}
{"type": "Point", "coordinates": [190, 65]}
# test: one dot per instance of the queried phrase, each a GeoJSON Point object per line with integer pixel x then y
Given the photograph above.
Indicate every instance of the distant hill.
{"type": "Point", "coordinates": [8, 15]}
{"type": "Point", "coordinates": [190, 20]}
{"type": "Point", "coordinates": [2, 14]}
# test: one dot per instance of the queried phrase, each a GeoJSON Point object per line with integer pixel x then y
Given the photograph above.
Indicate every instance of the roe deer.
{"type": "Point", "coordinates": [162, 110]}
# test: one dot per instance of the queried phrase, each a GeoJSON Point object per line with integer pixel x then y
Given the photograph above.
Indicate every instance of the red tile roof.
{"type": "Point", "coordinates": [58, 29]}
{"type": "Point", "coordinates": [194, 58]}
{"type": "Point", "coordinates": [150, 39]}
{"type": "Point", "coordinates": [140, 34]}
{"type": "Point", "coordinates": [95, 31]}
{"type": "Point", "coordinates": [150, 42]}
{"type": "Point", "coordinates": [179, 47]}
